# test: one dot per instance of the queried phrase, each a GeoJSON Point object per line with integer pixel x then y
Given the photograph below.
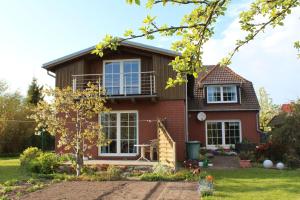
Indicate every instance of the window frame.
{"type": "Point", "coordinates": [222, 94]}
{"type": "Point", "coordinates": [223, 133]}
{"type": "Point", "coordinates": [122, 87]}
{"type": "Point", "coordinates": [119, 135]}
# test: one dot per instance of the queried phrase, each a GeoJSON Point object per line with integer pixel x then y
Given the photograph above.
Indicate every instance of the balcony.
{"type": "Point", "coordinates": [120, 85]}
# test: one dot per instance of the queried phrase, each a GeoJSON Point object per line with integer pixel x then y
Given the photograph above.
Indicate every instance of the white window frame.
{"type": "Point", "coordinates": [223, 133]}
{"type": "Point", "coordinates": [119, 135]}
{"type": "Point", "coordinates": [221, 91]}
{"type": "Point", "coordinates": [121, 61]}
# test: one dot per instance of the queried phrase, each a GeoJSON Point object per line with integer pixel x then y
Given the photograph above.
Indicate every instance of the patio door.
{"type": "Point", "coordinates": [121, 128]}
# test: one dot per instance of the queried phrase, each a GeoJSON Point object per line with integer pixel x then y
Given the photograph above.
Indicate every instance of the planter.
{"type": "Point", "coordinates": [245, 163]}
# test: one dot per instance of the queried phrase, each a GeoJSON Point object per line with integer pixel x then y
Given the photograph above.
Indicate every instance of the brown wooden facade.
{"type": "Point", "coordinates": [150, 61]}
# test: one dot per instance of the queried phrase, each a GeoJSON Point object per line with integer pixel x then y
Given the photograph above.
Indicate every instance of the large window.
{"type": "Point", "coordinates": [223, 133]}
{"type": "Point", "coordinates": [122, 77]}
{"type": "Point", "coordinates": [121, 128]}
{"type": "Point", "coordinates": [221, 94]}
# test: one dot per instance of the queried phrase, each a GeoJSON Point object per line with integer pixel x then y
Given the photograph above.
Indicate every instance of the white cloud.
{"type": "Point", "coordinates": [270, 60]}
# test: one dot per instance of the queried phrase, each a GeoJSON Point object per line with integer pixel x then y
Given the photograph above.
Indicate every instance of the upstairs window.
{"type": "Point", "coordinates": [221, 94]}
{"type": "Point", "coordinates": [122, 77]}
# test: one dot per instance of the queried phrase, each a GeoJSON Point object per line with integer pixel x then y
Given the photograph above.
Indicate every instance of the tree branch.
{"type": "Point", "coordinates": [262, 28]}
{"type": "Point", "coordinates": [181, 2]}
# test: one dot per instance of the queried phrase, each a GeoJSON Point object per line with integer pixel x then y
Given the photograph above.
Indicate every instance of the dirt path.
{"type": "Point", "coordinates": [119, 190]}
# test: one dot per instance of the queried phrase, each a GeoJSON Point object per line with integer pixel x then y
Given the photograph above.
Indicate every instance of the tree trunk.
{"type": "Point", "coordinates": [79, 162]}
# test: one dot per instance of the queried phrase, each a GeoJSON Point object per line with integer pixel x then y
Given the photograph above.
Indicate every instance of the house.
{"type": "Point", "coordinates": [219, 108]}
{"type": "Point", "coordinates": [278, 120]}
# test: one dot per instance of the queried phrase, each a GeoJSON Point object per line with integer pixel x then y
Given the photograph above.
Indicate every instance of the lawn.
{"type": "Point", "coordinates": [256, 183]}
{"type": "Point", "coordinates": [10, 169]}
{"type": "Point", "coordinates": [240, 184]}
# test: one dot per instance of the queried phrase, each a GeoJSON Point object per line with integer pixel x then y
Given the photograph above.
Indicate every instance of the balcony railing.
{"type": "Point", "coordinates": [119, 84]}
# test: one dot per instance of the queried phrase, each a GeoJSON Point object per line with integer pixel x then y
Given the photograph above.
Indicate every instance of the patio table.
{"type": "Point", "coordinates": [143, 152]}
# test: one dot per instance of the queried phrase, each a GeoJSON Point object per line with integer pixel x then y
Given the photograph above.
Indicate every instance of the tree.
{"type": "Point", "coordinates": [34, 93]}
{"type": "Point", "coordinates": [287, 136]}
{"type": "Point", "coordinates": [197, 27]}
{"type": "Point", "coordinates": [15, 131]}
{"type": "Point", "coordinates": [267, 109]}
{"type": "Point", "coordinates": [69, 116]}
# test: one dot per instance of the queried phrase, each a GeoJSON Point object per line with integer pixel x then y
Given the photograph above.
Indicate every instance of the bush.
{"type": "Point", "coordinates": [161, 169]}
{"type": "Point", "coordinates": [34, 160]}
{"type": "Point", "coordinates": [182, 175]}
{"type": "Point", "coordinates": [48, 163]}
{"type": "Point", "coordinates": [113, 172]}
{"type": "Point", "coordinates": [28, 155]}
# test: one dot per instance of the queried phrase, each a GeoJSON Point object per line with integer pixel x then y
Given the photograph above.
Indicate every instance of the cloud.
{"type": "Point", "coordinates": [270, 60]}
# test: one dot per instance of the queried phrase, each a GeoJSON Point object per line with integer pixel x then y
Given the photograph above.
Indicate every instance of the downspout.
{"type": "Point", "coordinates": [186, 113]}
{"type": "Point", "coordinates": [52, 75]}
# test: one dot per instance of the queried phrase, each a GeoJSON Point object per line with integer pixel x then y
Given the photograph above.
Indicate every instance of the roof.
{"type": "Point", "coordinates": [124, 43]}
{"type": "Point", "coordinates": [216, 75]}
{"type": "Point", "coordinates": [287, 108]}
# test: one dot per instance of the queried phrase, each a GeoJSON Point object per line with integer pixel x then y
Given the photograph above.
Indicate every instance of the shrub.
{"type": "Point", "coordinates": [161, 169]}
{"type": "Point", "coordinates": [292, 161]}
{"type": "Point", "coordinates": [246, 155]}
{"type": "Point", "coordinates": [29, 154]}
{"type": "Point", "coordinates": [34, 160]}
{"type": "Point", "coordinates": [28, 158]}
{"type": "Point", "coordinates": [182, 175]}
{"type": "Point", "coordinates": [113, 172]}
{"type": "Point", "coordinates": [48, 162]}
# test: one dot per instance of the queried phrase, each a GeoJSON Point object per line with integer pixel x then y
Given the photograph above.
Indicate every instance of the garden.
{"type": "Point", "coordinates": [35, 170]}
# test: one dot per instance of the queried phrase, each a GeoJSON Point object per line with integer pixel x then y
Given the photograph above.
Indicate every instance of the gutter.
{"type": "Point", "coordinates": [50, 74]}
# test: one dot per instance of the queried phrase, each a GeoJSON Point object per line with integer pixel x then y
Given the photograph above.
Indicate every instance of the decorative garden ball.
{"type": "Point", "coordinates": [268, 164]}
{"type": "Point", "coordinates": [280, 165]}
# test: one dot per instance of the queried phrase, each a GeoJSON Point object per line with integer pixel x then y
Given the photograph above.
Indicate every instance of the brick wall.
{"type": "Point", "coordinates": [171, 110]}
{"type": "Point", "coordinates": [247, 118]}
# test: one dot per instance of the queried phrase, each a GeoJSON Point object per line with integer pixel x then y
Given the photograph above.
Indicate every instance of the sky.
{"type": "Point", "coordinates": [33, 32]}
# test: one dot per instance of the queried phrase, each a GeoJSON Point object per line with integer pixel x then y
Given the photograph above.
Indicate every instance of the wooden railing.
{"type": "Point", "coordinates": [166, 146]}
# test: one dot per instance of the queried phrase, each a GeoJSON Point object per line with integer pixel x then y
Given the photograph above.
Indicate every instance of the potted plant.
{"type": "Point", "coordinates": [245, 159]}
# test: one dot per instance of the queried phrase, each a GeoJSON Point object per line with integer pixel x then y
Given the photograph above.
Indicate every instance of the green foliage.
{"type": "Point", "coordinates": [113, 172]}
{"type": "Point", "coordinates": [267, 109]}
{"type": "Point", "coordinates": [77, 108]}
{"type": "Point", "coordinates": [34, 93]}
{"type": "Point", "coordinates": [247, 155]}
{"type": "Point", "coordinates": [36, 161]}
{"type": "Point", "coordinates": [181, 175]}
{"type": "Point", "coordinates": [197, 27]}
{"type": "Point", "coordinates": [161, 169]}
{"type": "Point", "coordinates": [28, 155]}
{"type": "Point", "coordinates": [287, 135]}
{"type": "Point", "coordinates": [48, 162]}
{"type": "Point", "coordinates": [15, 134]}
{"type": "Point", "coordinates": [297, 46]}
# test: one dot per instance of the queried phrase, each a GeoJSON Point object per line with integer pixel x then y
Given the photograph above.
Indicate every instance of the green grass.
{"type": "Point", "coordinates": [256, 183]}
{"type": "Point", "coordinates": [10, 169]}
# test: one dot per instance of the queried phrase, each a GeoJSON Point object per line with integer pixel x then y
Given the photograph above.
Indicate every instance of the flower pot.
{"type": "Point", "coordinates": [245, 163]}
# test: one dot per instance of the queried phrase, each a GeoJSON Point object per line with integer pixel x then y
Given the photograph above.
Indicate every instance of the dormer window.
{"type": "Point", "coordinates": [221, 94]}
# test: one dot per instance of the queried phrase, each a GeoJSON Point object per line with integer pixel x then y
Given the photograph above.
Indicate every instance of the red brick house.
{"type": "Point", "coordinates": [220, 108]}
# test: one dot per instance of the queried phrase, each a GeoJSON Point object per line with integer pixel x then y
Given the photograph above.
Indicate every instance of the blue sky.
{"type": "Point", "coordinates": [34, 32]}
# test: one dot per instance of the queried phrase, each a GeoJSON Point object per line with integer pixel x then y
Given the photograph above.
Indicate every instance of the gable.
{"type": "Point", "coordinates": [216, 75]}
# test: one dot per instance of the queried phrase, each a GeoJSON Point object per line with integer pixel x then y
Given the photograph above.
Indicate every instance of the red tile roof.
{"type": "Point", "coordinates": [287, 108]}
{"type": "Point", "coordinates": [223, 75]}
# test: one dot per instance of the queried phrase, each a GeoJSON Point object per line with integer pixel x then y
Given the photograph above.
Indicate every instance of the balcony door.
{"type": "Point", "coordinates": [122, 77]}
{"type": "Point", "coordinates": [121, 128]}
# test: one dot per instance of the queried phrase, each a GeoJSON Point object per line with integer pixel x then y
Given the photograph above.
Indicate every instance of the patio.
{"type": "Point", "coordinates": [120, 162]}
